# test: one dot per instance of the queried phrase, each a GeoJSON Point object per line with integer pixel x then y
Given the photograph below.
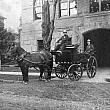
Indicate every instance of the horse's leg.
{"type": "Point", "coordinates": [50, 67]}
{"type": "Point", "coordinates": [26, 78]}
{"type": "Point", "coordinates": [24, 70]}
{"type": "Point", "coordinates": [41, 72]}
{"type": "Point", "coordinates": [49, 74]}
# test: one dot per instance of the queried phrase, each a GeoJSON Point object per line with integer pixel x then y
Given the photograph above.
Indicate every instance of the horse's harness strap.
{"type": "Point", "coordinates": [21, 56]}
{"type": "Point", "coordinates": [43, 56]}
{"type": "Point", "coordinates": [31, 61]}
{"type": "Point", "coordinates": [39, 63]}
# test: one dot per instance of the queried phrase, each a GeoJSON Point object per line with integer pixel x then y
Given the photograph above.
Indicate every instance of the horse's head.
{"type": "Point", "coordinates": [12, 52]}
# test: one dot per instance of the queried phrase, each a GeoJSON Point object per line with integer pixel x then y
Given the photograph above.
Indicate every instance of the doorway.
{"type": "Point", "coordinates": [100, 38]}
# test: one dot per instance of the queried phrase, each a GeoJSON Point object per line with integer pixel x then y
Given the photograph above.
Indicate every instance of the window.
{"type": "Point", "coordinates": [40, 45]}
{"type": "Point", "coordinates": [37, 9]}
{"type": "Point", "coordinates": [105, 5]}
{"type": "Point", "coordinates": [68, 7]}
{"type": "Point", "coordinates": [99, 5]}
{"type": "Point", "coordinates": [94, 6]}
{"type": "Point", "coordinates": [64, 9]}
{"type": "Point", "coordinates": [72, 7]}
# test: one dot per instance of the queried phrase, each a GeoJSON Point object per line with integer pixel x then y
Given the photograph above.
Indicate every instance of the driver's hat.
{"type": "Point", "coordinates": [88, 40]}
{"type": "Point", "coordinates": [64, 31]}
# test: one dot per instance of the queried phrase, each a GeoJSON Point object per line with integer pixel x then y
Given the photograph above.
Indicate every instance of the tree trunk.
{"type": "Point", "coordinates": [0, 63]}
{"type": "Point", "coordinates": [47, 25]}
{"type": "Point", "coordinates": [0, 59]}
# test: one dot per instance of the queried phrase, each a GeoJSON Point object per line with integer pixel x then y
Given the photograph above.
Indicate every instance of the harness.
{"type": "Point", "coordinates": [43, 57]}
{"type": "Point", "coordinates": [21, 57]}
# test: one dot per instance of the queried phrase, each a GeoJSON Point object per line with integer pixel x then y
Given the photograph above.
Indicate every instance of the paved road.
{"type": "Point", "coordinates": [57, 95]}
{"type": "Point", "coordinates": [101, 76]}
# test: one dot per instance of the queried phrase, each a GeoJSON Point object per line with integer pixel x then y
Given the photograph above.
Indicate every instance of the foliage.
{"type": "Point", "coordinates": [6, 39]}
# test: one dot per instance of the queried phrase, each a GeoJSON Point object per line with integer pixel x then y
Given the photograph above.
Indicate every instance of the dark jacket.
{"type": "Point", "coordinates": [90, 48]}
{"type": "Point", "coordinates": [63, 41]}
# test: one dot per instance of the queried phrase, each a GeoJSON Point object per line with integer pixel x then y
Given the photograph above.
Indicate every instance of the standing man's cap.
{"type": "Point", "coordinates": [64, 31]}
{"type": "Point", "coordinates": [88, 40]}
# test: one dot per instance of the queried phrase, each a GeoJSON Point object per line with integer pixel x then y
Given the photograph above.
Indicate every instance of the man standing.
{"type": "Point", "coordinates": [90, 47]}
{"type": "Point", "coordinates": [62, 42]}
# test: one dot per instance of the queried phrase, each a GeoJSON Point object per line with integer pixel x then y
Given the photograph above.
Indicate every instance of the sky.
{"type": "Point", "coordinates": [11, 10]}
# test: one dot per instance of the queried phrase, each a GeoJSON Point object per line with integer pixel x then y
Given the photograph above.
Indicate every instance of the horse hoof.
{"type": "Point", "coordinates": [25, 82]}
{"type": "Point", "coordinates": [47, 80]}
{"type": "Point", "coordinates": [40, 79]}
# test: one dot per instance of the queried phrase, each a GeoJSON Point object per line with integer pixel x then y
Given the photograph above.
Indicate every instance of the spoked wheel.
{"type": "Point", "coordinates": [75, 72]}
{"type": "Point", "coordinates": [61, 71]}
{"type": "Point", "coordinates": [91, 67]}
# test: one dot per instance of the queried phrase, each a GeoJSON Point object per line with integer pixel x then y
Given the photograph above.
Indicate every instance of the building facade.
{"type": "Point", "coordinates": [82, 19]}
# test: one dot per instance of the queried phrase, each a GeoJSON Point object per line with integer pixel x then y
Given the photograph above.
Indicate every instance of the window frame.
{"type": "Point", "coordinates": [35, 6]}
{"type": "Point", "coordinates": [63, 9]}
{"type": "Point", "coordinates": [99, 6]}
{"type": "Point", "coordinates": [106, 3]}
{"type": "Point", "coordinates": [68, 8]}
{"type": "Point", "coordinates": [94, 3]}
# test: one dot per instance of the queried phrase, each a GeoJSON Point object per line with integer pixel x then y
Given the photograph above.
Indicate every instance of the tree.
{"type": "Point", "coordinates": [6, 39]}
{"type": "Point", "coordinates": [47, 25]}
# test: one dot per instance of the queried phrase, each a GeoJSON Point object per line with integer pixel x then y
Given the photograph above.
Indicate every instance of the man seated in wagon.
{"type": "Point", "coordinates": [62, 42]}
{"type": "Point", "coordinates": [90, 47]}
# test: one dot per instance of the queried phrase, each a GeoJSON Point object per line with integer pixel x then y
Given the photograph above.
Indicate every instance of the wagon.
{"type": "Point", "coordinates": [72, 63]}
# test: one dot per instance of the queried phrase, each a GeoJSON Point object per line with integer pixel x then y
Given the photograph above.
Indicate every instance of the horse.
{"type": "Point", "coordinates": [41, 59]}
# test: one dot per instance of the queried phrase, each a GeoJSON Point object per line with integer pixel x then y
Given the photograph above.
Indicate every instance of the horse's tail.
{"type": "Point", "coordinates": [51, 63]}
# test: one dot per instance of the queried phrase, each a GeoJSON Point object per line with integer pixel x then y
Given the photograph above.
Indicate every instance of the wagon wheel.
{"type": "Point", "coordinates": [61, 71]}
{"type": "Point", "coordinates": [75, 72]}
{"type": "Point", "coordinates": [91, 67]}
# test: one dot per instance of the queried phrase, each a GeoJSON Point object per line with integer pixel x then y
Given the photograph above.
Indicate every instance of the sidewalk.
{"type": "Point", "coordinates": [12, 77]}
{"type": "Point", "coordinates": [18, 73]}
{"type": "Point", "coordinates": [101, 76]}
